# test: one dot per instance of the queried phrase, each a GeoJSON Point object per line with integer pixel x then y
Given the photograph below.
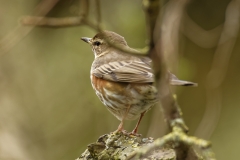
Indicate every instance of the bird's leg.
{"type": "Point", "coordinates": [134, 132]}
{"type": "Point", "coordinates": [120, 127]}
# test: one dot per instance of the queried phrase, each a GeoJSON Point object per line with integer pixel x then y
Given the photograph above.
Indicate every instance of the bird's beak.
{"type": "Point", "coordinates": [86, 39]}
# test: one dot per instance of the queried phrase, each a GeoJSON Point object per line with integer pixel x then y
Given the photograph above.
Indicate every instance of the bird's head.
{"type": "Point", "coordinates": [100, 42]}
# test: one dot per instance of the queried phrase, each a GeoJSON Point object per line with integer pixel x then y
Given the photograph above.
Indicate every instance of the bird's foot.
{"type": "Point", "coordinates": [135, 134]}
{"type": "Point", "coordinates": [119, 131]}
{"type": "Point", "coordinates": [126, 133]}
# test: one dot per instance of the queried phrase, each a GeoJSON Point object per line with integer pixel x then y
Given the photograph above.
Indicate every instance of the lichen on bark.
{"type": "Point", "coordinates": [118, 146]}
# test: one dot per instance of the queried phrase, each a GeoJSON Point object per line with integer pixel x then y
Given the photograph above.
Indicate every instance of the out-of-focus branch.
{"type": "Point", "coordinates": [170, 26]}
{"type": "Point", "coordinates": [20, 31]}
{"type": "Point", "coordinates": [52, 22]}
{"type": "Point", "coordinates": [151, 8]}
{"type": "Point", "coordinates": [198, 35]}
{"type": "Point", "coordinates": [98, 14]}
{"type": "Point", "coordinates": [218, 70]}
{"type": "Point", "coordinates": [171, 109]}
{"type": "Point", "coordinates": [77, 21]}
{"type": "Point", "coordinates": [61, 22]}
{"type": "Point", "coordinates": [84, 8]}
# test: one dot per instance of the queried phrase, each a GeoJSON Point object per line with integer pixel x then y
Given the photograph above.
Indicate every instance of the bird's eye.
{"type": "Point", "coordinates": [97, 43]}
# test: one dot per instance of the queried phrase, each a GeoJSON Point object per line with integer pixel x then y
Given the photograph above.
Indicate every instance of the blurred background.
{"type": "Point", "coordinates": [49, 109]}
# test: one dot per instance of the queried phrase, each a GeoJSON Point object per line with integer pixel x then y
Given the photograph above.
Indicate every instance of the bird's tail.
{"type": "Point", "coordinates": [177, 82]}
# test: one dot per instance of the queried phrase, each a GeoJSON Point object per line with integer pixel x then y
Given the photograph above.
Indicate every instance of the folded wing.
{"type": "Point", "coordinates": [132, 71]}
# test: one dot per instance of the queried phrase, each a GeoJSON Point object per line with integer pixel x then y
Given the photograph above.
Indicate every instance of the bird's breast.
{"type": "Point", "coordinates": [100, 85]}
{"type": "Point", "coordinates": [118, 96]}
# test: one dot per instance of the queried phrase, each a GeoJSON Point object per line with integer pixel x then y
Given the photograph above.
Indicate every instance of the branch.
{"type": "Point", "coordinates": [151, 8]}
{"type": "Point", "coordinates": [120, 146]}
{"type": "Point", "coordinates": [171, 109]}
{"type": "Point", "coordinates": [84, 8]}
{"type": "Point", "coordinates": [177, 136]}
{"type": "Point", "coordinates": [98, 14]}
{"type": "Point", "coordinates": [52, 22]}
{"type": "Point", "coordinates": [20, 32]}
{"type": "Point", "coordinates": [77, 21]}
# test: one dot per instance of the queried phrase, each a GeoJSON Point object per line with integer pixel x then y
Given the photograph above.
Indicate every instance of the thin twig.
{"type": "Point", "coordinates": [52, 22]}
{"type": "Point", "coordinates": [20, 31]}
{"type": "Point", "coordinates": [71, 22]}
{"type": "Point", "coordinates": [177, 136]}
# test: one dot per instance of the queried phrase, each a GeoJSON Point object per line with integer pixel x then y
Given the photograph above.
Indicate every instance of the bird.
{"type": "Point", "coordinates": [123, 82]}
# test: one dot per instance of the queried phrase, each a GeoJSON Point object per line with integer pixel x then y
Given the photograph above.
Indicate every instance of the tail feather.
{"type": "Point", "coordinates": [177, 82]}
{"type": "Point", "coordinates": [183, 83]}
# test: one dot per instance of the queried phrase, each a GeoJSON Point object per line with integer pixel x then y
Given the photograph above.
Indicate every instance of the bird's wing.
{"type": "Point", "coordinates": [133, 71]}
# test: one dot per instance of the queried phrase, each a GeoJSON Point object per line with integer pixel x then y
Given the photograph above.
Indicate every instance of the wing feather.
{"type": "Point", "coordinates": [134, 71]}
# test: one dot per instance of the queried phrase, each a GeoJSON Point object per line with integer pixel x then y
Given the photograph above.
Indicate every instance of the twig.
{"type": "Point", "coordinates": [20, 32]}
{"type": "Point", "coordinates": [52, 22]}
{"type": "Point", "coordinates": [177, 136]}
{"type": "Point", "coordinates": [77, 21]}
